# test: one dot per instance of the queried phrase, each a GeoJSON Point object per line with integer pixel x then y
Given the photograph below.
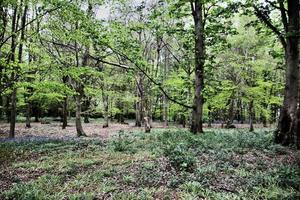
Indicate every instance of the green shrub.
{"type": "Point", "coordinates": [289, 177]}
{"type": "Point", "coordinates": [180, 156]}
{"type": "Point", "coordinates": [7, 154]}
{"type": "Point", "coordinates": [46, 187]}
{"type": "Point", "coordinates": [122, 143]}
{"type": "Point", "coordinates": [192, 187]}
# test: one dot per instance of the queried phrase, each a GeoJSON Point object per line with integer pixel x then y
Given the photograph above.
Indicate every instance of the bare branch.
{"type": "Point", "coordinates": [111, 63]}
{"type": "Point", "coordinates": [259, 13]}
{"type": "Point", "coordinates": [283, 15]}
{"type": "Point", "coordinates": [153, 81]}
{"type": "Point", "coordinates": [30, 22]}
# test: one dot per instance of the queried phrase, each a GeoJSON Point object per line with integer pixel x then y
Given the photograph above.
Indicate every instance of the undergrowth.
{"type": "Point", "coordinates": [165, 164]}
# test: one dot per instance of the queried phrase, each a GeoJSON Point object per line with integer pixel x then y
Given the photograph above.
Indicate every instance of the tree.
{"type": "Point", "coordinates": [197, 11]}
{"type": "Point", "coordinates": [287, 131]}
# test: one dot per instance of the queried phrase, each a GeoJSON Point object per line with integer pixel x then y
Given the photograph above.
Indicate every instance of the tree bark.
{"type": "Point", "coordinates": [286, 132]}
{"type": "Point", "coordinates": [165, 99]}
{"type": "Point", "coordinates": [209, 117]}
{"type": "Point", "coordinates": [65, 113]}
{"type": "Point", "coordinates": [297, 125]}
{"type": "Point", "coordinates": [197, 110]}
{"type": "Point", "coordinates": [230, 116]}
{"type": "Point", "coordinates": [65, 106]}
{"type": "Point", "coordinates": [13, 113]}
{"type": "Point", "coordinates": [79, 128]}
{"type": "Point", "coordinates": [138, 120]}
{"type": "Point", "coordinates": [140, 114]}
{"type": "Point", "coordinates": [106, 111]}
{"type": "Point", "coordinates": [28, 114]}
{"type": "Point", "coordinates": [36, 113]}
{"type": "Point", "coordinates": [147, 125]}
{"type": "Point", "coordinates": [86, 110]}
{"type": "Point", "coordinates": [1, 106]}
{"type": "Point", "coordinates": [13, 96]}
{"type": "Point", "coordinates": [165, 111]}
{"type": "Point", "coordinates": [251, 116]}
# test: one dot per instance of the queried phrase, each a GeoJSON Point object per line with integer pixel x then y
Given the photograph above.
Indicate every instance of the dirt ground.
{"type": "Point", "coordinates": [54, 130]}
{"type": "Point", "coordinates": [93, 130]}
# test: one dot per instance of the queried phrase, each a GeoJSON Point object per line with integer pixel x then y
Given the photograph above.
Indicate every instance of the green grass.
{"type": "Point", "coordinates": [172, 164]}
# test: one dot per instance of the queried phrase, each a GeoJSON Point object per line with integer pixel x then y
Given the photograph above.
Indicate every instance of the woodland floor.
{"type": "Point", "coordinates": [165, 164]}
{"type": "Point", "coordinates": [54, 131]}
{"type": "Point", "coordinates": [93, 130]}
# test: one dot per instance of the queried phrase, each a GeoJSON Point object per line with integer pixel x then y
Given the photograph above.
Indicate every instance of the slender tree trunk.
{"type": "Point", "coordinates": [138, 121]}
{"type": "Point", "coordinates": [141, 101]}
{"type": "Point", "coordinates": [147, 119]}
{"type": "Point", "coordinates": [209, 117]}
{"type": "Point", "coordinates": [86, 119]}
{"type": "Point", "coordinates": [14, 93]}
{"type": "Point", "coordinates": [86, 109]}
{"type": "Point", "coordinates": [147, 125]}
{"type": "Point", "coordinates": [165, 100]}
{"type": "Point", "coordinates": [297, 129]}
{"type": "Point", "coordinates": [1, 106]}
{"type": "Point", "coordinates": [287, 126]}
{"type": "Point", "coordinates": [230, 116]}
{"type": "Point", "coordinates": [65, 106]}
{"type": "Point", "coordinates": [79, 87]}
{"type": "Point", "coordinates": [106, 111]}
{"type": "Point", "coordinates": [28, 114]}
{"type": "Point", "coordinates": [4, 21]}
{"type": "Point", "coordinates": [197, 9]}
{"type": "Point", "coordinates": [13, 96]}
{"type": "Point", "coordinates": [165, 111]}
{"type": "Point", "coordinates": [36, 113]}
{"type": "Point", "coordinates": [65, 113]}
{"type": "Point", "coordinates": [264, 121]}
{"type": "Point", "coordinates": [242, 113]}
{"type": "Point", "coordinates": [79, 128]}
{"type": "Point", "coordinates": [251, 116]}
{"type": "Point", "coordinates": [28, 106]}
{"type": "Point", "coordinates": [13, 114]}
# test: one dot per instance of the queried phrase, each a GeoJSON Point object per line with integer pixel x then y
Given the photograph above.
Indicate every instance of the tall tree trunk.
{"type": "Point", "coordinates": [230, 116]}
{"type": "Point", "coordinates": [86, 110]}
{"type": "Point", "coordinates": [297, 125]}
{"type": "Point", "coordinates": [138, 120]}
{"type": "Point", "coordinates": [36, 113]}
{"type": "Point", "coordinates": [140, 113]}
{"type": "Point", "coordinates": [79, 87]}
{"type": "Point", "coordinates": [86, 62]}
{"type": "Point", "coordinates": [197, 10]}
{"type": "Point", "coordinates": [86, 119]}
{"type": "Point", "coordinates": [28, 102]}
{"type": "Point", "coordinates": [79, 128]}
{"type": "Point", "coordinates": [165, 100]}
{"type": "Point", "coordinates": [1, 106]}
{"type": "Point", "coordinates": [146, 113]}
{"type": "Point", "coordinates": [65, 106]}
{"type": "Point", "coordinates": [287, 126]}
{"type": "Point", "coordinates": [242, 113]}
{"type": "Point", "coordinates": [13, 113]}
{"type": "Point", "coordinates": [209, 117]}
{"type": "Point", "coordinates": [28, 114]}
{"type": "Point", "coordinates": [20, 55]}
{"type": "Point", "coordinates": [251, 116]}
{"type": "Point", "coordinates": [14, 92]}
{"type": "Point", "coordinates": [65, 113]}
{"type": "Point", "coordinates": [3, 28]}
{"type": "Point", "coordinates": [165, 111]}
{"type": "Point", "coordinates": [106, 111]}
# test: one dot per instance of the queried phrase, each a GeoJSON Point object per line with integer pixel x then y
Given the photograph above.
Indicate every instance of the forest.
{"type": "Point", "coordinates": [149, 99]}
